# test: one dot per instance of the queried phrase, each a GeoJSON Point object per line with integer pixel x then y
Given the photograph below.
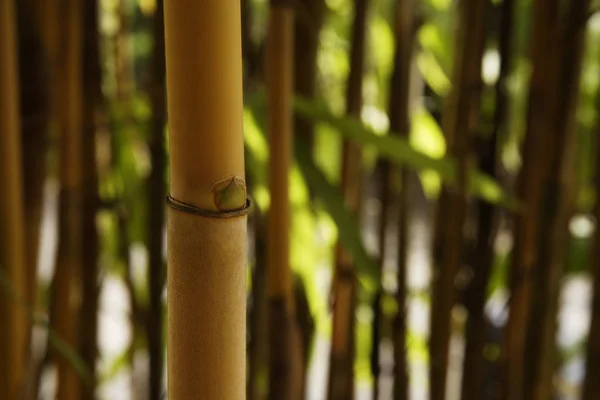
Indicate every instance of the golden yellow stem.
{"type": "Point", "coordinates": [206, 253]}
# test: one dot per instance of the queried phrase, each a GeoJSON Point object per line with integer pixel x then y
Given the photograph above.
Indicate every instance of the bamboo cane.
{"type": "Point", "coordinates": [341, 370]}
{"type": "Point", "coordinates": [284, 378]}
{"type": "Point", "coordinates": [12, 252]}
{"type": "Point", "coordinates": [206, 228]}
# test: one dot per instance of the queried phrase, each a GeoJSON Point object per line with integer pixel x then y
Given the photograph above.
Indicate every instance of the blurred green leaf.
{"type": "Point", "coordinates": [348, 229]}
{"type": "Point", "coordinates": [54, 339]}
{"type": "Point", "coordinates": [399, 151]}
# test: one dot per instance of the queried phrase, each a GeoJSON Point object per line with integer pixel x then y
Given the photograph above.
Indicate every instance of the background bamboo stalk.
{"type": "Point", "coordinates": [341, 370]}
{"type": "Point", "coordinates": [67, 282]}
{"type": "Point", "coordinates": [285, 376]}
{"type": "Point", "coordinates": [156, 208]}
{"type": "Point", "coordinates": [308, 22]}
{"type": "Point", "coordinates": [92, 95]}
{"type": "Point", "coordinates": [542, 104]}
{"type": "Point", "coordinates": [558, 203]}
{"type": "Point", "coordinates": [12, 236]}
{"type": "Point", "coordinates": [476, 328]}
{"type": "Point", "coordinates": [460, 123]}
{"type": "Point", "coordinates": [206, 255]}
{"type": "Point", "coordinates": [404, 180]}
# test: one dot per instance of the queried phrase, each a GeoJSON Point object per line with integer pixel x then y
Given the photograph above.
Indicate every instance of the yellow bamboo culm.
{"type": "Point", "coordinates": [206, 228]}
{"type": "Point", "coordinates": [13, 323]}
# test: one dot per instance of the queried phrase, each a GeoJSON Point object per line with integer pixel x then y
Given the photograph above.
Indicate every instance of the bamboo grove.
{"type": "Point", "coordinates": [299, 199]}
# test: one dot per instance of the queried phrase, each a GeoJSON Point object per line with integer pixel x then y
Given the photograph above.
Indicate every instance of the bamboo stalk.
{"type": "Point", "coordinates": [475, 331]}
{"type": "Point", "coordinates": [67, 281]}
{"type": "Point", "coordinates": [156, 216]}
{"type": "Point", "coordinates": [558, 204]}
{"type": "Point", "coordinates": [12, 236]}
{"type": "Point", "coordinates": [206, 253]}
{"type": "Point", "coordinates": [341, 370]}
{"type": "Point", "coordinates": [400, 122]}
{"type": "Point", "coordinates": [461, 121]}
{"type": "Point", "coordinates": [259, 338]}
{"type": "Point", "coordinates": [34, 85]}
{"type": "Point", "coordinates": [285, 375]}
{"type": "Point", "coordinates": [90, 274]}
{"type": "Point", "coordinates": [542, 103]}
{"type": "Point", "coordinates": [307, 25]}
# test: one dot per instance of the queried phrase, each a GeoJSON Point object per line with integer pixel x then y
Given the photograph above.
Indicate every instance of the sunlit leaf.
{"type": "Point", "coordinates": [399, 151]}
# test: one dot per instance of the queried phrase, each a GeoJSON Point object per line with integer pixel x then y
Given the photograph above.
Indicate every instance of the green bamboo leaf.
{"type": "Point", "coordinates": [347, 225]}
{"type": "Point", "coordinates": [398, 150]}
{"type": "Point", "coordinates": [54, 338]}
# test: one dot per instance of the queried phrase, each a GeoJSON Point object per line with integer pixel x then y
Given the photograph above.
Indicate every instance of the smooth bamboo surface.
{"type": "Point", "coordinates": [206, 255]}
{"type": "Point", "coordinates": [204, 84]}
{"type": "Point", "coordinates": [13, 324]}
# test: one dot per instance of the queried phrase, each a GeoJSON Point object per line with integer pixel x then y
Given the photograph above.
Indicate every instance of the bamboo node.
{"type": "Point", "coordinates": [190, 209]}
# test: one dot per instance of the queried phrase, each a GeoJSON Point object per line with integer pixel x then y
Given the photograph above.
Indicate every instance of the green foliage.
{"type": "Point", "coordinates": [73, 358]}
{"type": "Point", "coordinates": [399, 151]}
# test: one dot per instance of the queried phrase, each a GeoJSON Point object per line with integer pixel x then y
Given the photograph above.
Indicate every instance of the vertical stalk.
{"type": "Point", "coordinates": [284, 373]}
{"type": "Point", "coordinates": [341, 370]}
{"type": "Point", "coordinates": [259, 338]}
{"type": "Point", "coordinates": [307, 25]}
{"type": "Point", "coordinates": [557, 206]}
{"type": "Point", "coordinates": [542, 104]}
{"type": "Point", "coordinates": [90, 275]}
{"type": "Point", "coordinates": [156, 216]}
{"type": "Point", "coordinates": [400, 122]}
{"type": "Point", "coordinates": [12, 236]}
{"type": "Point", "coordinates": [206, 225]}
{"type": "Point", "coordinates": [460, 123]}
{"type": "Point", "coordinates": [33, 79]}
{"type": "Point", "coordinates": [67, 280]}
{"type": "Point", "coordinates": [475, 334]}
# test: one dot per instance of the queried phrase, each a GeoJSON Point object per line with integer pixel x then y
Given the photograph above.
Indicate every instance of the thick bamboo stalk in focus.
{"type": "Point", "coordinates": [206, 228]}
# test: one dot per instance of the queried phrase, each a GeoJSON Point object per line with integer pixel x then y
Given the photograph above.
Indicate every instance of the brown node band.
{"type": "Point", "coordinates": [190, 209]}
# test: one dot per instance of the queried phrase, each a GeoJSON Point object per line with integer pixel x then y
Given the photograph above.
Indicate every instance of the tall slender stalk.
{"type": "Point", "coordinates": [341, 370]}
{"type": "Point", "coordinates": [284, 369]}
{"type": "Point", "coordinates": [475, 334]}
{"type": "Point", "coordinates": [156, 215]}
{"type": "Point", "coordinates": [67, 281]}
{"type": "Point", "coordinates": [558, 204]}
{"type": "Point", "coordinates": [206, 225]}
{"type": "Point", "coordinates": [12, 236]}
{"type": "Point", "coordinates": [542, 104]}
{"type": "Point", "coordinates": [259, 338]}
{"type": "Point", "coordinates": [90, 274]}
{"type": "Point", "coordinates": [307, 26]}
{"type": "Point", "coordinates": [460, 123]}
{"type": "Point", "coordinates": [35, 107]}
{"type": "Point", "coordinates": [400, 122]}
